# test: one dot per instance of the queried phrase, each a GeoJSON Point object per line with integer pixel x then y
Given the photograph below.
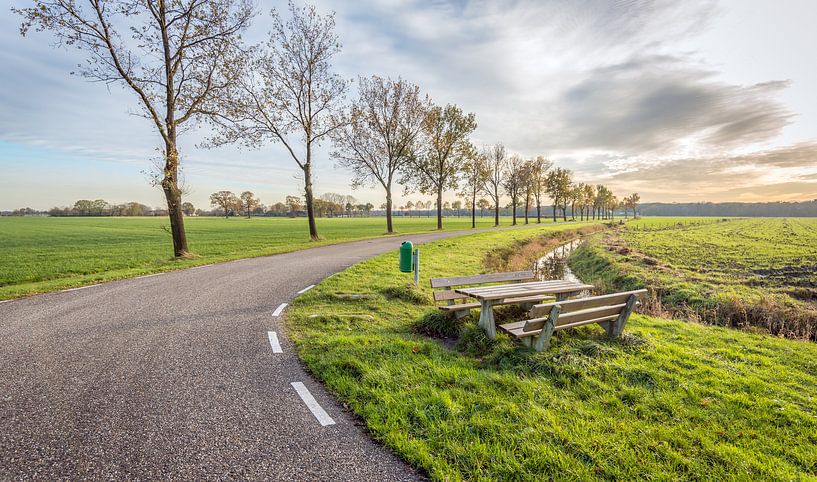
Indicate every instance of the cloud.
{"type": "Point", "coordinates": [604, 87]}
{"type": "Point", "coordinates": [784, 191]}
{"type": "Point", "coordinates": [767, 174]}
{"type": "Point", "coordinates": [661, 104]}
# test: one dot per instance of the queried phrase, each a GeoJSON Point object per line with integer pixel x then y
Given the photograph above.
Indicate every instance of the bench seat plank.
{"type": "Point", "coordinates": [460, 307]}
{"type": "Point", "coordinates": [509, 301]}
{"type": "Point", "coordinates": [517, 328]}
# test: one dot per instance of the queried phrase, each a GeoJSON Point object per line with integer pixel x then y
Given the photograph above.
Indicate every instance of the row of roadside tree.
{"type": "Point", "coordinates": [186, 62]}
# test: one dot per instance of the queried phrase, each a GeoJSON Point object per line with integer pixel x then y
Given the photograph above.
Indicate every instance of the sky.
{"type": "Point", "coordinates": [678, 101]}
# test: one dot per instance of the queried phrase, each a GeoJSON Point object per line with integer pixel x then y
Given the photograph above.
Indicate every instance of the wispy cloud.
{"type": "Point", "coordinates": [765, 174]}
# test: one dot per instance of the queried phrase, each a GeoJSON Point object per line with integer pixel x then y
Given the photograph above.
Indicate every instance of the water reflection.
{"type": "Point", "coordinates": [554, 264]}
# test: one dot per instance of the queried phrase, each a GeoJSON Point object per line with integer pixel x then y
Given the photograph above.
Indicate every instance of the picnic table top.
{"type": "Point", "coordinates": [516, 290]}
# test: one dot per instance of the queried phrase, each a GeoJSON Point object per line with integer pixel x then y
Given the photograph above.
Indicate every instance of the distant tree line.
{"type": "Point", "coordinates": [759, 209]}
{"type": "Point", "coordinates": [330, 204]}
{"type": "Point", "coordinates": [100, 207]}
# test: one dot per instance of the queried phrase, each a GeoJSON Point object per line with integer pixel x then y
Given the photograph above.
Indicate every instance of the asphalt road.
{"type": "Point", "coordinates": [173, 376]}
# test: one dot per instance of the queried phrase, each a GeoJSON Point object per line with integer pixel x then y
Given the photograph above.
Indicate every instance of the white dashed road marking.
{"type": "Point", "coordinates": [305, 289]}
{"type": "Point", "coordinates": [273, 341]}
{"type": "Point", "coordinates": [148, 275]}
{"type": "Point", "coordinates": [4, 301]}
{"type": "Point", "coordinates": [202, 266]}
{"type": "Point", "coordinates": [278, 310]}
{"type": "Point", "coordinates": [80, 288]}
{"type": "Point", "coordinates": [312, 404]}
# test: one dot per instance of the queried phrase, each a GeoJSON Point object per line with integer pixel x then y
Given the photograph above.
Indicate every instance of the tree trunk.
{"type": "Point", "coordinates": [527, 205]}
{"type": "Point", "coordinates": [513, 216]}
{"type": "Point", "coordinates": [496, 208]}
{"type": "Point", "coordinates": [554, 211]}
{"type": "Point", "coordinates": [474, 211]}
{"type": "Point", "coordinates": [538, 210]}
{"type": "Point", "coordinates": [439, 208]}
{"type": "Point", "coordinates": [310, 208]}
{"type": "Point", "coordinates": [389, 226]}
{"type": "Point", "coordinates": [173, 195]}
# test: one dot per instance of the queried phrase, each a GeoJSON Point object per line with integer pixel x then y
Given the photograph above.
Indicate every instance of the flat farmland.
{"type": "Point", "coordinates": [46, 254]}
{"type": "Point", "coordinates": [758, 272]}
{"type": "Point", "coordinates": [774, 253]}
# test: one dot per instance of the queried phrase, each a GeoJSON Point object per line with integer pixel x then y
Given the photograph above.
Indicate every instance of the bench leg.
{"type": "Point", "coordinates": [486, 319]}
{"type": "Point", "coordinates": [461, 314]}
{"type": "Point", "coordinates": [543, 340]}
{"type": "Point", "coordinates": [618, 324]}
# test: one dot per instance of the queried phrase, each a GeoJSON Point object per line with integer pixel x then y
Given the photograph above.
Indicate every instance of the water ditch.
{"type": "Point", "coordinates": [553, 265]}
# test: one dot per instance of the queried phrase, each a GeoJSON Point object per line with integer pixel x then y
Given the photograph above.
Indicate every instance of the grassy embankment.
{"type": "Point", "coordinates": [46, 254]}
{"type": "Point", "coordinates": [671, 400]}
{"type": "Point", "coordinates": [750, 273]}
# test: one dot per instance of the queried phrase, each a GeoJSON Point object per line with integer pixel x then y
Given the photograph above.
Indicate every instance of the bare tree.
{"type": "Point", "coordinates": [577, 199]}
{"type": "Point", "coordinates": [539, 170]}
{"type": "Point", "coordinates": [226, 200]}
{"type": "Point", "coordinates": [495, 162]}
{"type": "Point", "coordinates": [588, 195]}
{"type": "Point", "coordinates": [527, 189]}
{"type": "Point", "coordinates": [513, 182]}
{"type": "Point", "coordinates": [188, 209]}
{"type": "Point", "coordinates": [558, 185]}
{"type": "Point", "coordinates": [631, 202]}
{"type": "Point", "coordinates": [249, 202]}
{"type": "Point", "coordinates": [292, 96]}
{"type": "Point", "coordinates": [379, 133]}
{"type": "Point", "coordinates": [294, 204]}
{"type": "Point", "coordinates": [444, 141]}
{"type": "Point", "coordinates": [457, 206]}
{"type": "Point", "coordinates": [483, 204]}
{"type": "Point", "coordinates": [602, 201]}
{"type": "Point", "coordinates": [475, 174]}
{"type": "Point", "coordinates": [180, 57]}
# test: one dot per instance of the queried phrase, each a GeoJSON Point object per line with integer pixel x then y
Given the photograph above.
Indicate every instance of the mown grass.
{"type": "Point", "coordinates": [45, 254]}
{"type": "Point", "coordinates": [757, 273]}
{"type": "Point", "coordinates": [669, 401]}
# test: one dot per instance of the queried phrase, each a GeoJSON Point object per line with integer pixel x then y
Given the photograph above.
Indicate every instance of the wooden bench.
{"type": "Point", "coordinates": [457, 304]}
{"type": "Point", "coordinates": [610, 311]}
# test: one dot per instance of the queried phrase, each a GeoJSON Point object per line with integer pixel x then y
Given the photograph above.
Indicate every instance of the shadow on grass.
{"type": "Point", "coordinates": [570, 358]}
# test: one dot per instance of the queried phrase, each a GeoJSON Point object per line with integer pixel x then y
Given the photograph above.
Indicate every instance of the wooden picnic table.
{"type": "Point", "coordinates": [488, 296]}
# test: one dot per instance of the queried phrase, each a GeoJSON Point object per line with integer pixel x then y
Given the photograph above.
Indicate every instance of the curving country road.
{"type": "Point", "coordinates": [173, 376]}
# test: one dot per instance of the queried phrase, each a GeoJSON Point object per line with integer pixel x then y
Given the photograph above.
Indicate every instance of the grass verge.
{"type": "Point", "coordinates": [670, 400]}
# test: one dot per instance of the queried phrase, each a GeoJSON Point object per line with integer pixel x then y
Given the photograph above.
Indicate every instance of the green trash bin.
{"type": "Point", "coordinates": [406, 264]}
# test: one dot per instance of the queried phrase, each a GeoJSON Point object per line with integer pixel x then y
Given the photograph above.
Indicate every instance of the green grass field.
{"type": "Point", "coordinates": [46, 254]}
{"type": "Point", "coordinates": [758, 272]}
{"type": "Point", "coordinates": [670, 401]}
